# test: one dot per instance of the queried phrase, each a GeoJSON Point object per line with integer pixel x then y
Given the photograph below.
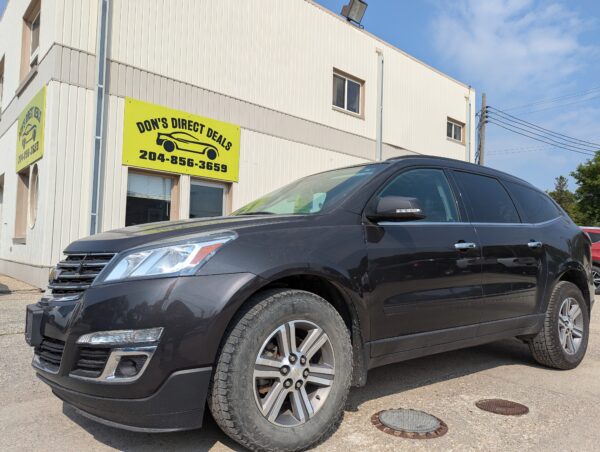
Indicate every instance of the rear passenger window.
{"type": "Point", "coordinates": [489, 202]}
{"type": "Point", "coordinates": [431, 188]}
{"type": "Point", "coordinates": [535, 207]}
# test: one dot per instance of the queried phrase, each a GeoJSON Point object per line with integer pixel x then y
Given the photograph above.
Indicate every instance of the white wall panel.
{"type": "Point", "coordinates": [268, 163]}
{"type": "Point", "coordinates": [63, 204]}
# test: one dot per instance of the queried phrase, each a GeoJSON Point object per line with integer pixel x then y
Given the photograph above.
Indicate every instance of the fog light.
{"type": "Point", "coordinates": [130, 366]}
{"type": "Point", "coordinates": [121, 337]}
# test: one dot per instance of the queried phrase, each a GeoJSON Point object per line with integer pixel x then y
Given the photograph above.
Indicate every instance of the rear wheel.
{"type": "Point", "coordinates": [284, 372]}
{"type": "Point", "coordinates": [563, 340]}
{"type": "Point", "coordinates": [168, 146]}
{"type": "Point", "coordinates": [596, 275]}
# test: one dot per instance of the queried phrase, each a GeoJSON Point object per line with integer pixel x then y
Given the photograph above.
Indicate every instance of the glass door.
{"type": "Point", "coordinates": [207, 199]}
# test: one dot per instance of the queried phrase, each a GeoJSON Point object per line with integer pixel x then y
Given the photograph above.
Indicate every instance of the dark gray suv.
{"type": "Point", "coordinates": [271, 314]}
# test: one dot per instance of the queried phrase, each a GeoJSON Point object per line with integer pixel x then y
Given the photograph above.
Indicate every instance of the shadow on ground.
{"type": "Point", "coordinates": [383, 381]}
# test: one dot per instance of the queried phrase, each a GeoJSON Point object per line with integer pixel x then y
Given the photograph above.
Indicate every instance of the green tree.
{"type": "Point", "coordinates": [587, 195]}
{"type": "Point", "coordinates": [563, 196]}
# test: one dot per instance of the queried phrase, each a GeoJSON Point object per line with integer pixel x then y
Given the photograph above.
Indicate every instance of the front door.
{"type": "Point", "coordinates": [424, 275]}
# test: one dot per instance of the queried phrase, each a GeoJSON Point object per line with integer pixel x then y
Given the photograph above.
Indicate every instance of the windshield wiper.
{"type": "Point", "coordinates": [257, 213]}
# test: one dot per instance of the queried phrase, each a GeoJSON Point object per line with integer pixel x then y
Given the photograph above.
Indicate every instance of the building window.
{"type": "Point", "coordinates": [22, 205]}
{"type": "Point", "coordinates": [347, 93]}
{"type": "Point", "coordinates": [207, 199]}
{"type": "Point", "coordinates": [31, 38]}
{"type": "Point", "coordinates": [150, 198]}
{"type": "Point", "coordinates": [454, 130]}
{"type": "Point", "coordinates": [35, 39]}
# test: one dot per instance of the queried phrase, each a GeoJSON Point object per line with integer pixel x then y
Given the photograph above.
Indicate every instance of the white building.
{"type": "Point", "coordinates": [263, 69]}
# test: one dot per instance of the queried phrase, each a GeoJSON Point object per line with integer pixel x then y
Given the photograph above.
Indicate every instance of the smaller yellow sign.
{"type": "Point", "coordinates": [30, 132]}
{"type": "Point", "coordinates": [164, 139]}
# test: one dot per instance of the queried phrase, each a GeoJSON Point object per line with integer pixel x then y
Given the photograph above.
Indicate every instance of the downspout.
{"type": "Point", "coordinates": [100, 89]}
{"type": "Point", "coordinates": [468, 131]}
{"type": "Point", "coordinates": [379, 125]}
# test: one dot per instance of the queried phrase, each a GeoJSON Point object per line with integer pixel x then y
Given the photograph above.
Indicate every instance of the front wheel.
{"type": "Point", "coordinates": [284, 372]}
{"type": "Point", "coordinates": [563, 340]}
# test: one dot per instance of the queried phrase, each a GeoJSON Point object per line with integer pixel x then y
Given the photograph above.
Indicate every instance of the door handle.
{"type": "Point", "coordinates": [534, 244]}
{"type": "Point", "coordinates": [465, 246]}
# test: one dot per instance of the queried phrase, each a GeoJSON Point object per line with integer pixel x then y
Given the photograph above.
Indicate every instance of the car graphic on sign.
{"type": "Point", "coordinates": [184, 141]}
{"type": "Point", "coordinates": [29, 134]}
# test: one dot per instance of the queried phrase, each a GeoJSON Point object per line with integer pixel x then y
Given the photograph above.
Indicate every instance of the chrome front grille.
{"type": "Point", "coordinates": [76, 273]}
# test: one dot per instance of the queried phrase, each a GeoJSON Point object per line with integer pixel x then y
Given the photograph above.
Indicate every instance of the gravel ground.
{"type": "Point", "coordinates": [564, 405]}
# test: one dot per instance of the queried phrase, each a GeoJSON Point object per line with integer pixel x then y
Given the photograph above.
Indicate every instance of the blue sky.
{"type": "Point", "coordinates": [518, 52]}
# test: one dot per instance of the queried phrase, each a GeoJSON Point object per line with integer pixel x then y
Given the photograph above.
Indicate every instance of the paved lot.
{"type": "Point", "coordinates": [565, 406]}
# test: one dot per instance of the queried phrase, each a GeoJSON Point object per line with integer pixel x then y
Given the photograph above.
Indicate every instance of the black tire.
{"type": "Point", "coordinates": [232, 398]}
{"type": "Point", "coordinates": [546, 346]}
{"type": "Point", "coordinates": [596, 272]}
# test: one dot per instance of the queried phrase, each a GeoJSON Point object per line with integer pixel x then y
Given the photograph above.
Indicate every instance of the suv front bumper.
{"type": "Point", "coordinates": [177, 405]}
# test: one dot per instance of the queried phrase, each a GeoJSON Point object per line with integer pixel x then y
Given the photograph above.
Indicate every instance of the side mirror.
{"type": "Point", "coordinates": [397, 208]}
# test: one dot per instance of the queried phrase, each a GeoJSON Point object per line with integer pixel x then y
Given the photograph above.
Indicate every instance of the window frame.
{"type": "Point", "coordinates": [29, 56]}
{"type": "Point", "coordinates": [454, 190]}
{"type": "Point", "coordinates": [22, 205]}
{"type": "Point", "coordinates": [226, 193]}
{"type": "Point", "coordinates": [174, 209]}
{"type": "Point", "coordinates": [361, 95]}
{"type": "Point", "coordinates": [467, 201]}
{"type": "Point", "coordinates": [455, 123]}
{"type": "Point", "coordinates": [33, 53]}
{"type": "Point", "coordinates": [522, 212]}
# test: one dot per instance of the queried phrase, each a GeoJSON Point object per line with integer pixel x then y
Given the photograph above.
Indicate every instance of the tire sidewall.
{"type": "Point", "coordinates": [295, 306]}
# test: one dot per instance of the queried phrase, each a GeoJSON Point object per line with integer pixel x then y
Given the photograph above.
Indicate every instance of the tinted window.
{"type": "Point", "coordinates": [431, 188]}
{"type": "Point", "coordinates": [535, 207]}
{"type": "Point", "coordinates": [488, 199]}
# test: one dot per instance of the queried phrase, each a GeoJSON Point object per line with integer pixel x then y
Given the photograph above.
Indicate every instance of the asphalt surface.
{"type": "Point", "coordinates": [564, 405]}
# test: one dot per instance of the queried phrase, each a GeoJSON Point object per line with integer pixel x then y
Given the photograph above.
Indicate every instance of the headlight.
{"type": "Point", "coordinates": [178, 259]}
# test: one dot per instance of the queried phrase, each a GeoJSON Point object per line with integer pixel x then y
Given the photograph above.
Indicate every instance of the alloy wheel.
{"type": "Point", "coordinates": [293, 373]}
{"type": "Point", "coordinates": [596, 277]}
{"type": "Point", "coordinates": [570, 325]}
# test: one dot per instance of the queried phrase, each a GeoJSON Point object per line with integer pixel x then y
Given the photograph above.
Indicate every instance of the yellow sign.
{"type": "Point", "coordinates": [164, 139]}
{"type": "Point", "coordinates": [30, 132]}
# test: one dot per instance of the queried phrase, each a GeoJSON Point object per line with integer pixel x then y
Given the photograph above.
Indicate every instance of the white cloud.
{"type": "Point", "coordinates": [508, 46]}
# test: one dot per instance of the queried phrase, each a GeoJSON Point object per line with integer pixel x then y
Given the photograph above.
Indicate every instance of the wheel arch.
{"type": "Point", "coordinates": [575, 274]}
{"type": "Point", "coordinates": [335, 294]}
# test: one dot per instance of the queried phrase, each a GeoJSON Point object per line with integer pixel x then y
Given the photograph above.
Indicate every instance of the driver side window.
{"type": "Point", "coordinates": [430, 186]}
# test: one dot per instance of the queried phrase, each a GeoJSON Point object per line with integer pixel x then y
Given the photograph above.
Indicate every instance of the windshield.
{"type": "Point", "coordinates": [311, 194]}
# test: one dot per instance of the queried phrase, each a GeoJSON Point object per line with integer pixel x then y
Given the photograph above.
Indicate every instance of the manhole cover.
{"type": "Point", "coordinates": [409, 424]}
{"type": "Point", "coordinates": [499, 406]}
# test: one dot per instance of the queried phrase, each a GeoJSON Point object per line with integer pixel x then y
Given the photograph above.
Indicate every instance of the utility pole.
{"type": "Point", "coordinates": [482, 122]}
{"type": "Point", "coordinates": [379, 124]}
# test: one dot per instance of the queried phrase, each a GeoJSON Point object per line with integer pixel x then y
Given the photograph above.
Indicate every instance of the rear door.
{"type": "Point", "coordinates": [424, 274]}
{"type": "Point", "coordinates": [513, 256]}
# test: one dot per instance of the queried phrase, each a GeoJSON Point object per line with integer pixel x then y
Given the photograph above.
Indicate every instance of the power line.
{"type": "Point", "coordinates": [562, 105]}
{"type": "Point", "coordinates": [554, 144]}
{"type": "Point", "coordinates": [555, 99]}
{"type": "Point", "coordinates": [552, 139]}
{"type": "Point", "coordinates": [561, 136]}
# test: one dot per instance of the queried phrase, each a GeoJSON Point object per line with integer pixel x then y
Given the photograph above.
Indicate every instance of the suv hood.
{"type": "Point", "coordinates": [121, 239]}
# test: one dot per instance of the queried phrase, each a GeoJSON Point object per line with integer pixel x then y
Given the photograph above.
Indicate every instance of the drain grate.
{"type": "Point", "coordinates": [406, 423]}
{"type": "Point", "coordinates": [500, 406]}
